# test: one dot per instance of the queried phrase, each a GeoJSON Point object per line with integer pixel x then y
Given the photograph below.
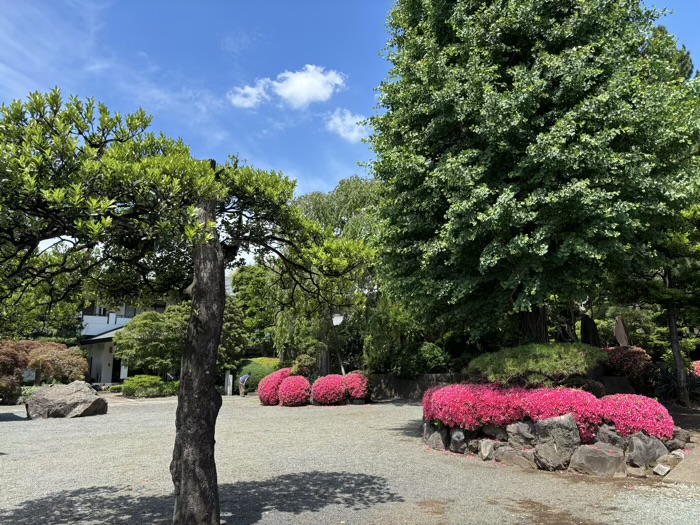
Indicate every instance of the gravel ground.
{"type": "Point", "coordinates": [312, 465]}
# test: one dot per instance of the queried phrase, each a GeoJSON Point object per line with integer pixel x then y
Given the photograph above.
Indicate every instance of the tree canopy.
{"type": "Point", "coordinates": [526, 149]}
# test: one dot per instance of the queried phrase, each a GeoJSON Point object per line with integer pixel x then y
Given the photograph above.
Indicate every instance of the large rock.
{"type": "Point", "coordinates": [77, 399]}
{"type": "Point", "coordinates": [473, 446]}
{"type": "Point", "coordinates": [521, 435]}
{"type": "Point", "coordinates": [488, 447]}
{"type": "Point", "coordinates": [495, 432]}
{"type": "Point", "coordinates": [510, 456]}
{"type": "Point", "coordinates": [438, 439]}
{"type": "Point", "coordinates": [643, 450]}
{"type": "Point", "coordinates": [459, 439]}
{"type": "Point", "coordinates": [600, 461]}
{"type": "Point", "coordinates": [679, 441]}
{"type": "Point", "coordinates": [557, 440]}
{"type": "Point", "coordinates": [669, 460]}
{"type": "Point", "coordinates": [608, 435]}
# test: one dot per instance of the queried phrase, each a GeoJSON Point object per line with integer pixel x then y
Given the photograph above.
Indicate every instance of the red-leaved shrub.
{"type": "Point", "coordinates": [544, 403]}
{"type": "Point", "coordinates": [631, 413]}
{"type": "Point", "coordinates": [630, 361]}
{"type": "Point", "coordinates": [329, 390]}
{"type": "Point", "coordinates": [268, 389]}
{"type": "Point", "coordinates": [356, 384]}
{"type": "Point", "coordinates": [294, 391]}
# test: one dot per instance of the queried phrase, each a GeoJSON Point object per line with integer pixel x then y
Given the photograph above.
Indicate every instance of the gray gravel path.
{"type": "Point", "coordinates": [312, 465]}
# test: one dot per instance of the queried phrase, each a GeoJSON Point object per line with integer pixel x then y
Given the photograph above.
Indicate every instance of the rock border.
{"type": "Point", "coordinates": [555, 445]}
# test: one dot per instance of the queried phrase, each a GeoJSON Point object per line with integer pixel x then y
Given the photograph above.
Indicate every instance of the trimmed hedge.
{"type": "Point", "coordinates": [537, 364]}
{"type": "Point", "coordinates": [357, 385]}
{"type": "Point", "coordinates": [258, 368]}
{"type": "Point", "coordinates": [148, 386]}
{"type": "Point", "coordinates": [329, 390]}
{"type": "Point", "coordinates": [294, 391]}
{"type": "Point", "coordinates": [474, 406]}
{"type": "Point", "coordinates": [268, 390]}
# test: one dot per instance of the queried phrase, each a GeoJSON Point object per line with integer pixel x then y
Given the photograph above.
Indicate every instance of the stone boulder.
{"type": "Point", "coordinates": [608, 435]}
{"type": "Point", "coordinates": [643, 450]}
{"type": "Point", "coordinates": [495, 432]}
{"type": "Point", "coordinates": [437, 439]}
{"type": "Point", "coordinates": [488, 447]}
{"type": "Point", "coordinates": [669, 460]}
{"type": "Point", "coordinates": [459, 439]}
{"type": "Point", "coordinates": [521, 458]}
{"type": "Point", "coordinates": [521, 435]}
{"type": "Point", "coordinates": [601, 461]}
{"type": "Point", "coordinates": [557, 440]}
{"type": "Point", "coordinates": [77, 399]}
{"type": "Point", "coordinates": [473, 446]}
{"type": "Point", "coordinates": [680, 439]}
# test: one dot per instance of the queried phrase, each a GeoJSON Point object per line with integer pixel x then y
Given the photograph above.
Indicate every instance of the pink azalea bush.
{"type": "Point", "coordinates": [356, 384]}
{"type": "Point", "coordinates": [696, 368]}
{"type": "Point", "coordinates": [329, 390]}
{"type": "Point", "coordinates": [631, 413]}
{"type": "Point", "coordinates": [268, 389]}
{"type": "Point", "coordinates": [545, 403]}
{"type": "Point", "coordinates": [473, 406]}
{"type": "Point", "coordinates": [294, 391]}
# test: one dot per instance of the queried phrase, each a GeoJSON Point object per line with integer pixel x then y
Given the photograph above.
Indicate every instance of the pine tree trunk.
{"type": "Point", "coordinates": [533, 325]}
{"type": "Point", "coordinates": [193, 468]}
{"type": "Point", "coordinates": [679, 364]}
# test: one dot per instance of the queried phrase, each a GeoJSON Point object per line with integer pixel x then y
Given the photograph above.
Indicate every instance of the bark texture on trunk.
{"type": "Point", "coordinates": [193, 468]}
{"type": "Point", "coordinates": [681, 373]}
{"type": "Point", "coordinates": [533, 325]}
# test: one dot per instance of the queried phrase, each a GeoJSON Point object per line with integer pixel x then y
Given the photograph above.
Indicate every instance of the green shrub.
{"type": "Point", "coordinates": [537, 364]}
{"type": "Point", "coordinates": [115, 389]}
{"type": "Point", "coordinates": [258, 367]}
{"type": "Point", "coordinates": [148, 386]}
{"type": "Point", "coordinates": [304, 365]}
{"type": "Point", "coordinates": [416, 359]}
{"type": "Point", "coordinates": [28, 391]}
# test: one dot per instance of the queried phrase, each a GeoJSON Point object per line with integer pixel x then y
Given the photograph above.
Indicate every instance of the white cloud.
{"type": "Point", "coordinates": [299, 89]}
{"type": "Point", "coordinates": [311, 84]}
{"type": "Point", "coordinates": [346, 124]}
{"type": "Point", "coordinates": [249, 96]}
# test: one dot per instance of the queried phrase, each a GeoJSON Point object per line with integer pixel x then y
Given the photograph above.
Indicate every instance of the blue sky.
{"type": "Point", "coordinates": [279, 83]}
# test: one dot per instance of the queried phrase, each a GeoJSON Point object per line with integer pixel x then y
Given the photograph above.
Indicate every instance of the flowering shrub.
{"type": "Point", "coordinates": [696, 368]}
{"type": "Point", "coordinates": [329, 390]}
{"type": "Point", "coordinates": [630, 361]}
{"type": "Point", "coordinates": [473, 406]}
{"type": "Point", "coordinates": [356, 385]}
{"type": "Point", "coordinates": [268, 389]}
{"type": "Point", "coordinates": [428, 412]}
{"type": "Point", "coordinates": [631, 413]}
{"type": "Point", "coordinates": [544, 403]}
{"type": "Point", "coordinates": [294, 391]}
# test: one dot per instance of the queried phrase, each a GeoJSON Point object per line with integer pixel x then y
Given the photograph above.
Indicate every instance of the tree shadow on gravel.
{"type": "Point", "coordinates": [411, 428]}
{"type": "Point", "coordinates": [241, 503]}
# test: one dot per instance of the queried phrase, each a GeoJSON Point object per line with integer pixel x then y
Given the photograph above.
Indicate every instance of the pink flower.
{"type": "Point", "coordinates": [329, 390]}
{"type": "Point", "coordinates": [295, 391]}
{"type": "Point", "coordinates": [631, 413]}
{"type": "Point", "coordinates": [356, 384]}
{"type": "Point", "coordinates": [268, 389]}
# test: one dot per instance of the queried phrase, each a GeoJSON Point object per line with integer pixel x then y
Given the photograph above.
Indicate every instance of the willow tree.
{"type": "Point", "coordinates": [139, 217]}
{"type": "Point", "coordinates": [526, 148]}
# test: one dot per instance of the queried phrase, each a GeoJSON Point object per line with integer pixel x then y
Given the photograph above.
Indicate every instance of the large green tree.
{"type": "Point", "coordinates": [526, 148]}
{"type": "Point", "coordinates": [138, 208]}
